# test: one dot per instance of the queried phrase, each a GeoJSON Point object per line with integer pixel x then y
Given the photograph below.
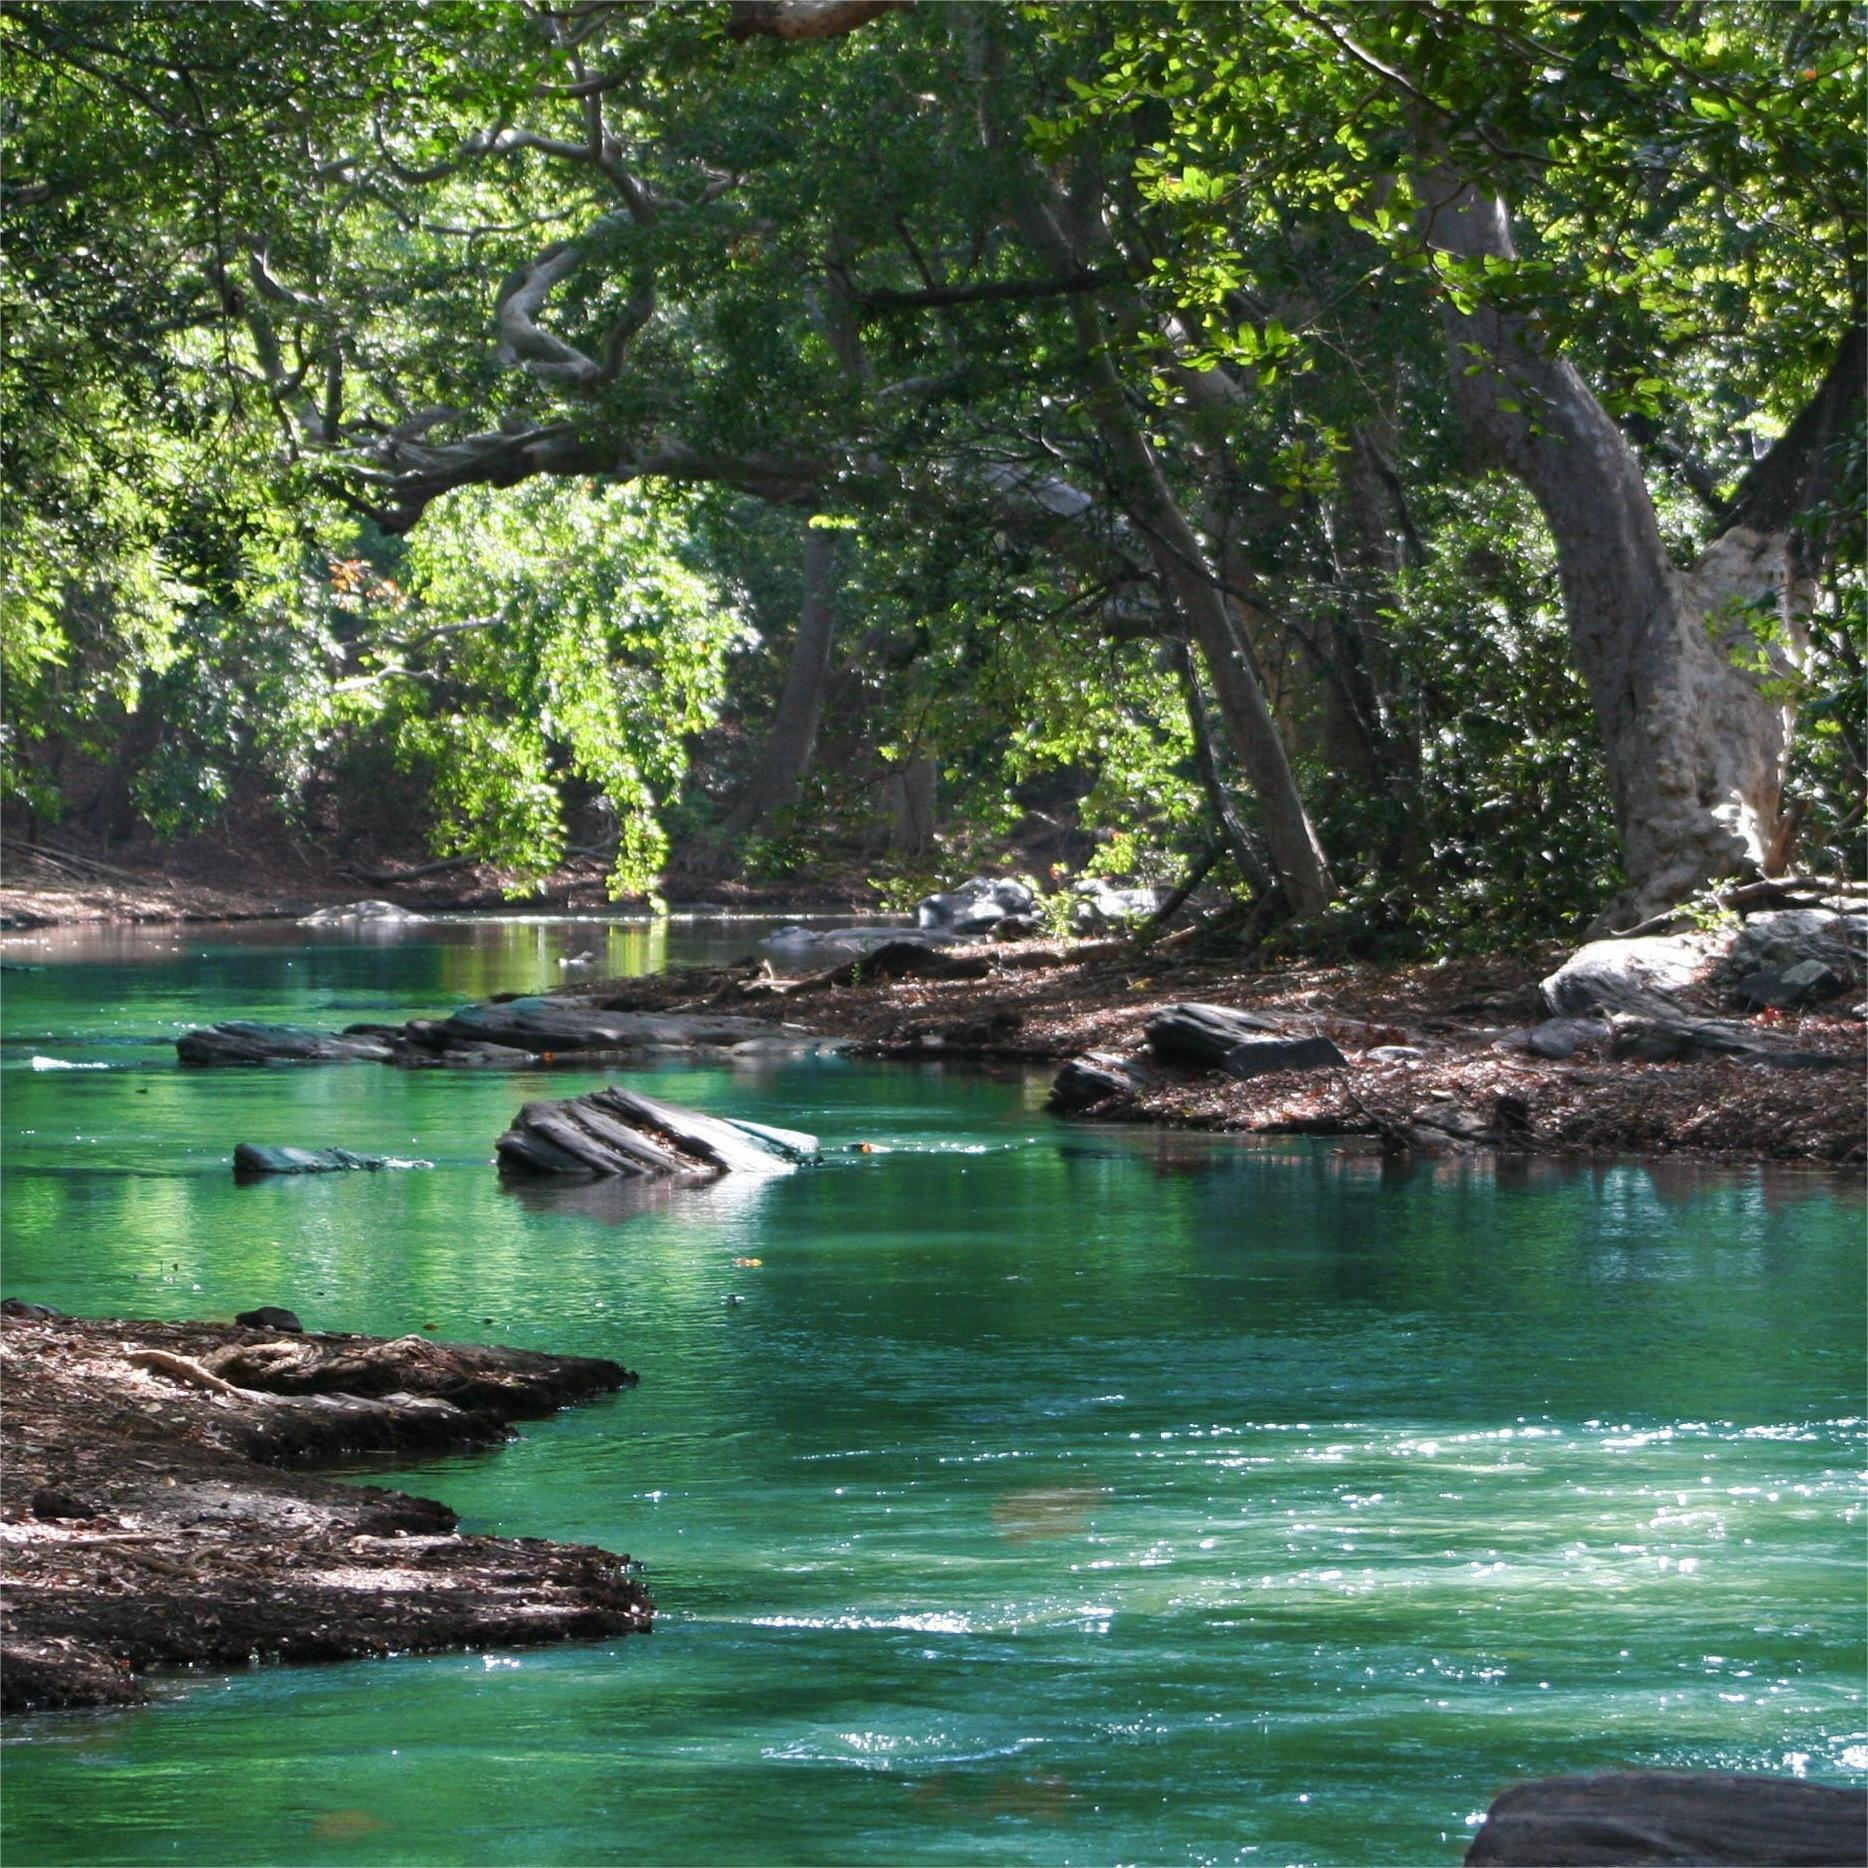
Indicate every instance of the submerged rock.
{"type": "Point", "coordinates": [614, 1132]}
{"type": "Point", "coordinates": [253, 1159]}
{"type": "Point", "coordinates": [239, 1041]}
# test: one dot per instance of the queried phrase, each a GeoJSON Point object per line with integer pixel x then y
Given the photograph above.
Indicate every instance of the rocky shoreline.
{"type": "Point", "coordinates": [156, 1514]}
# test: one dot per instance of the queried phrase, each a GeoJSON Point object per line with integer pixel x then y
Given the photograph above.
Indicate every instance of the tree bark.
{"type": "Point", "coordinates": [786, 755]}
{"type": "Point", "coordinates": [1695, 747]}
{"type": "Point", "coordinates": [1195, 586]}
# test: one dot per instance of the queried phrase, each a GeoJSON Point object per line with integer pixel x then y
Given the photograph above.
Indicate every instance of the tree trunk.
{"type": "Point", "coordinates": [786, 755]}
{"type": "Point", "coordinates": [1192, 582]}
{"type": "Point", "coordinates": [1695, 749]}
{"type": "Point", "coordinates": [911, 806]}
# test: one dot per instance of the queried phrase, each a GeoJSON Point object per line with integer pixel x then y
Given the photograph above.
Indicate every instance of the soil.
{"type": "Point", "coordinates": [1040, 1003]}
{"type": "Point", "coordinates": [155, 1515]}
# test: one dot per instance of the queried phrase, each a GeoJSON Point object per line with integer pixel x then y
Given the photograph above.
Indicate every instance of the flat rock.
{"type": "Point", "coordinates": [170, 1536]}
{"type": "Point", "coordinates": [553, 1025]}
{"type": "Point", "coordinates": [1622, 1818]}
{"type": "Point", "coordinates": [1255, 1057]}
{"type": "Point", "coordinates": [239, 1041]}
{"type": "Point", "coordinates": [1675, 1038]}
{"type": "Point", "coordinates": [251, 1160]}
{"type": "Point", "coordinates": [1202, 1037]}
{"type": "Point", "coordinates": [613, 1132]}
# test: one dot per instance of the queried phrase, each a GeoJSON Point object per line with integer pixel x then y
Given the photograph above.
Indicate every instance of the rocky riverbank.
{"type": "Point", "coordinates": [1435, 1056]}
{"type": "Point", "coordinates": [155, 1514]}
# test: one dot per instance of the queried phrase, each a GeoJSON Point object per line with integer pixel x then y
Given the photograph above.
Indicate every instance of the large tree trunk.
{"type": "Point", "coordinates": [789, 741]}
{"type": "Point", "coordinates": [1695, 747]}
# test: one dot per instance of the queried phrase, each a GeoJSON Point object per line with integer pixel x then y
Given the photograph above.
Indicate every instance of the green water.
{"type": "Point", "coordinates": [1052, 1494]}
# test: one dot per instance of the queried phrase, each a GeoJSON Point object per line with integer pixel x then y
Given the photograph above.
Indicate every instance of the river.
{"type": "Point", "coordinates": [1050, 1494]}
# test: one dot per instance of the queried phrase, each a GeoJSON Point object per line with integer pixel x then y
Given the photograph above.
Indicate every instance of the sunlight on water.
{"type": "Point", "coordinates": [1047, 1494]}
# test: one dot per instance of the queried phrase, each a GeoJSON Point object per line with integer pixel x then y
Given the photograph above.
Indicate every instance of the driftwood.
{"type": "Point", "coordinates": [1623, 1818]}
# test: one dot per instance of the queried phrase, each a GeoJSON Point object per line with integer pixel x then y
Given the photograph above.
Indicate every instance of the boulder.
{"type": "Point", "coordinates": [251, 1160]}
{"type": "Point", "coordinates": [1095, 1077]}
{"type": "Point", "coordinates": [240, 1042]}
{"type": "Point", "coordinates": [1789, 988]}
{"type": "Point", "coordinates": [273, 1317]}
{"type": "Point", "coordinates": [1102, 908]}
{"type": "Point", "coordinates": [1254, 1057]}
{"type": "Point", "coordinates": [976, 906]}
{"type": "Point", "coordinates": [1201, 1036]}
{"type": "Point", "coordinates": [1627, 975]}
{"type": "Point", "coordinates": [1627, 1817]}
{"type": "Point", "coordinates": [613, 1132]}
{"type": "Point", "coordinates": [1784, 937]}
{"type": "Point", "coordinates": [351, 914]}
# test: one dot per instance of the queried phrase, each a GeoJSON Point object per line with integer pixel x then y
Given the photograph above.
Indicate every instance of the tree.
{"type": "Point", "coordinates": [1648, 153]}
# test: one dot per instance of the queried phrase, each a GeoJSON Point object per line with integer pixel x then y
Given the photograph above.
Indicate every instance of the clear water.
{"type": "Point", "coordinates": [1052, 1494]}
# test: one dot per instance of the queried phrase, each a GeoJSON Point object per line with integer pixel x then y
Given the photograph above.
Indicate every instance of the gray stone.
{"type": "Point", "coordinates": [1202, 1036]}
{"type": "Point", "coordinates": [1256, 1056]}
{"type": "Point", "coordinates": [240, 1042]}
{"type": "Point", "coordinates": [1094, 1078]}
{"type": "Point", "coordinates": [272, 1317]}
{"type": "Point", "coordinates": [253, 1159]}
{"type": "Point", "coordinates": [976, 906]}
{"type": "Point", "coordinates": [1101, 907]}
{"type": "Point", "coordinates": [557, 1025]}
{"type": "Point", "coordinates": [613, 1132]}
{"type": "Point", "coordinates": [1788, 989]}
{"type": "Point", "coordinates": [1783, 937]}
{"type": "Point", "coordinates": [1558, 1038]}
{"type": "Point", "coordinates": [1627, 975]}
{"type": "Point", "coordinates": [351, 914]}
{"type": "Point", "coordinates": [1632, 1817]}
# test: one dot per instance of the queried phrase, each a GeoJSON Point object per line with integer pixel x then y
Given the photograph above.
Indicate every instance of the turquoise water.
{"type": "Point", "coordinates": [1051, 1495]}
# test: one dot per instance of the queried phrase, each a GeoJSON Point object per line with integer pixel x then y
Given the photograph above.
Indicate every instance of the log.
{"type": "Point", "coordinates": [1627, 1817]}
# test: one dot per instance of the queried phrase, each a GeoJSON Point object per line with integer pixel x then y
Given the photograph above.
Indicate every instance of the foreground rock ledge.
{"type": "Point", "coordinates": [145, 1522]}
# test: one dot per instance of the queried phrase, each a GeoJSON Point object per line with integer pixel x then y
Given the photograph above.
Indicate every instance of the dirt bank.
{"type": "Point", "coordinates": [1039, 1004]}
{"type": "Point", "coordinates": [152, 1514]}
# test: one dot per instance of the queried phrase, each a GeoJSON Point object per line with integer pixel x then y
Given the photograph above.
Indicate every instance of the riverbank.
{"type": "Point", "coordinates": [155, 1513]}
{"type": "Point", "coordinates": [1470, 1081]}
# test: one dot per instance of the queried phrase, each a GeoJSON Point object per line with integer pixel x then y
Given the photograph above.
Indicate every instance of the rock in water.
{"type": "Point", "coordinates": [1626, 1817]}
{"type": "Point", "coordinates": [253, 1159]}
{"type": "Point", "coordinates": [613, 1132]}
{"type": "Point", "coordinates": [351, 914]}
{"type": "Point", "coordinates": [240, 1042]}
